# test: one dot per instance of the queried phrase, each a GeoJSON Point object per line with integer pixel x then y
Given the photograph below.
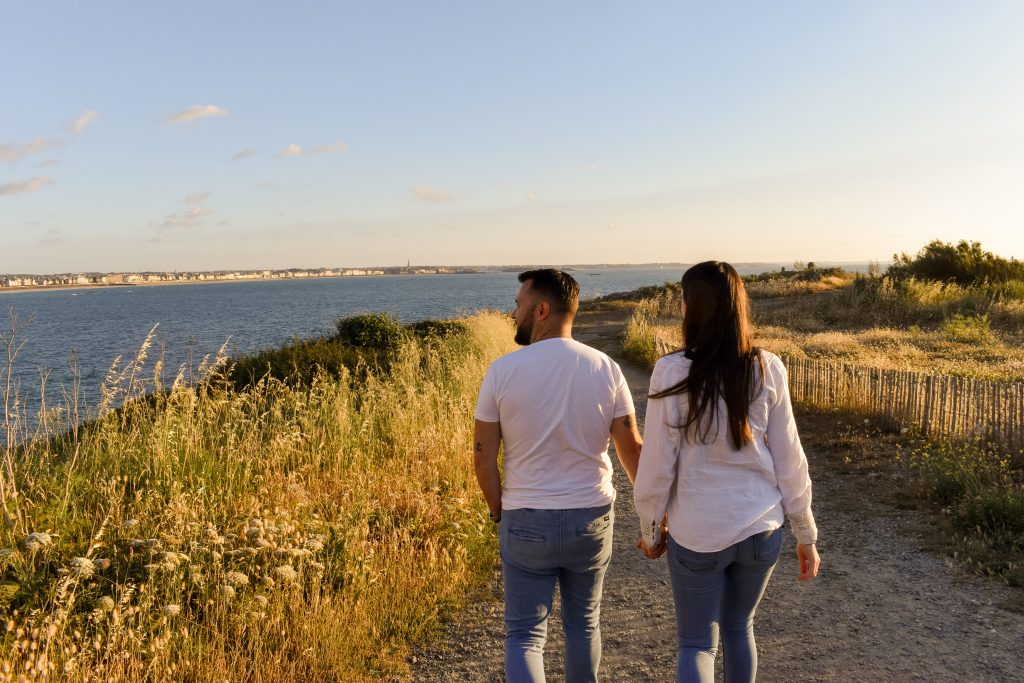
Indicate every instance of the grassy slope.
{"type": "Point", "coordinates": [278, 533]}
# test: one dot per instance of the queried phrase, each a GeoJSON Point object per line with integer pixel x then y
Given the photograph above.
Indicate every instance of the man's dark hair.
{"type": "Point", "coordinates": [558, 288]}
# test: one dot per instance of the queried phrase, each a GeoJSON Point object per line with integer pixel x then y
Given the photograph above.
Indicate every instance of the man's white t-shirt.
{"type": "Point", "coordinates": [555, 400]}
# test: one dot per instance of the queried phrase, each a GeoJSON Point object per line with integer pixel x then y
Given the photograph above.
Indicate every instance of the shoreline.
{"type": "Point", "coordinates": [110, 285]}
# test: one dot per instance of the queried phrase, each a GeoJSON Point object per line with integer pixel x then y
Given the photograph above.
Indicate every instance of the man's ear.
{"type": "Point", "coordinates": [543, 310]}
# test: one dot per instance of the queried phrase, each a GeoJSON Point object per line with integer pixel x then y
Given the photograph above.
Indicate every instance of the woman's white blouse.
{"type": "Point", "coordinates": [716, 496]}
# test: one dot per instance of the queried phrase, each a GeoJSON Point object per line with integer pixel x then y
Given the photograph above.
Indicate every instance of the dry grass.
{"type": "Point", "coordinates": [274, 534]}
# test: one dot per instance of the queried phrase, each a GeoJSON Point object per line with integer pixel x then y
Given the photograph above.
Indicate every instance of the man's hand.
{"type": "Point", "coordinates": [807, 555]}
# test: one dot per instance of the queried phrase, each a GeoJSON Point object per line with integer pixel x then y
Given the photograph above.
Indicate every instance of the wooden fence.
{"type": "Point", "coordinates": [941, 406]}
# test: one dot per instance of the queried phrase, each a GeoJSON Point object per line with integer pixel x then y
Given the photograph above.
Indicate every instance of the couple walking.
{"type": "Point", "coordinates": [718, 469]}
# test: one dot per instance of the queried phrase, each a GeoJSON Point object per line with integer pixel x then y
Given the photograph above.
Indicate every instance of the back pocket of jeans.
{"type": "Point", "coordinates": [768, 545]}
{"type": "Point", "coordinates": [595, 527]}
{"type": "Point", "coordinates": [696, 562]}
{"type": "Point", "coordinates": [526, 535]}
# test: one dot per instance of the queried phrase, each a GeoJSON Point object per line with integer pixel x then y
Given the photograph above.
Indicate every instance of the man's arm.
{"type": "Point", "coordinates": [627, 443]}
{"type": "Point", "coordinates": [486, 440]}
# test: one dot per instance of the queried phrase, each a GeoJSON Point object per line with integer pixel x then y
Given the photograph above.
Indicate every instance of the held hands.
{"type": "Point", "coordinates": [659, 550]}
{"type": "Point", "coordinates": [807, 555]}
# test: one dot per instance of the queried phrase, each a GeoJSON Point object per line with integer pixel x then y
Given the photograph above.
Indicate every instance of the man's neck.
{"type": "Point", "coordinates": [560, 331]}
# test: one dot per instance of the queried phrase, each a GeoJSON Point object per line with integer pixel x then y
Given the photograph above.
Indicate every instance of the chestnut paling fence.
{"type": "Point", "coordinates": [941, 406]}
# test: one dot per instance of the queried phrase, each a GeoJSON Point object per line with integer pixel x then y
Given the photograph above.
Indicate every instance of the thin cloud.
{"type": "Point", "coordinates": [30, 185]}
{"type": "Point", "coordinates": [51, 237]}
{"type": "Point", "coordinates": [532, 197]}
{"type": "Point", "coordinates": [173, 222]}
{"type": "Point", "coordinates": [49, 162]}
{"type": "Point", "coordinates": [244, 154]}
{"type": "Point", "coordinates": [83, 121]}
{"type": "Point", "coordinates": [299, 151]}
{"type": "Point", "coordinates": [197, 198]}
{"type": "Point", "coordinates": [428, 194]}
{"type": "Point", "coordinates": [16, 152]}
{"type": "Point", "coordinates": [591, 168]}
{"type": "Point", "coordinates": [196, 112]}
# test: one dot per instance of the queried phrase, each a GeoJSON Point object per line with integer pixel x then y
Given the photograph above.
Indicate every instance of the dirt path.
{"type": "Point", "coordinates": [883, 608]}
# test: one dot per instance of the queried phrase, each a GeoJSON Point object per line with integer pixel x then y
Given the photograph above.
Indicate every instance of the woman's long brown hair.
{"type": "Point", "coordinates": [717, 340]}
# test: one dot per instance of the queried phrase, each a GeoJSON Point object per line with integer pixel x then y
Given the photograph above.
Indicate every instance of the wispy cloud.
{"type": "Point", "coordinates": [244, 154]}
{"type": "Point", "coordinates": [298, 151]}
{"type": "Point", "coordinates": [51, 237]}
{"type": "Point", "coordinates": [49, 162]}
{"type": "Point", "coordinates": [30, 185]}
{"type": "Point", "coordinates": [197, 198]}
{"type": "Point", "coordinates": [591, 168]}
{"type": "Point", "coordinates": [196, 112]}
{"type": "Point", "coordinates": [16, 152]}
{"type": "Point", "coordinates": [532, 197]}
{"type": "Point", "coordinates": [428, 194]}
{"type": "Point", "coordinates": [83, 121]}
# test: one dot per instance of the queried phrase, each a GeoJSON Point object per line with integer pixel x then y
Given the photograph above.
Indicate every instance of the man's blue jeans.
{"type": "Point", "coordinates": [719, 592]}
{"type": "Point", "coordinates": [538, 549]}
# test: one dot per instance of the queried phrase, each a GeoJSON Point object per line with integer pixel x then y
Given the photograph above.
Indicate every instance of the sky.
{"type": "Point", "coordinates": [223, 135]}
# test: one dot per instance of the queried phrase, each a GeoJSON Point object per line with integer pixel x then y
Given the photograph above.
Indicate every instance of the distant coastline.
{"type": "Point", "coordinates": [35, 283]}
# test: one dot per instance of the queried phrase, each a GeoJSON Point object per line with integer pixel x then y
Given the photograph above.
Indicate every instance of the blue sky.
{"type": "Point", "coordinates": [269, 135]}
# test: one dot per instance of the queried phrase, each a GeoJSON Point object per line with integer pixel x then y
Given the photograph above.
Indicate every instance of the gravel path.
{"type": "Point", "coordinates": [882, 609]}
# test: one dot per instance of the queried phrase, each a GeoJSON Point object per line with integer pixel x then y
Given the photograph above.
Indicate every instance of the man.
{"type": "Point", "coordinates": [554, 404]}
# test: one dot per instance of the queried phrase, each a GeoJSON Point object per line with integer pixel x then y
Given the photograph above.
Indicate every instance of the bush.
{"type": "Point", "coordinates": [297, 363]}
{"type": "Point", "coordinates": [638, 340]}
{"type": "Point", "coordinates": [378, 331]}
{"type": "Point", "coordinates": [966, 263]}
{"type": "Point", "coordinates": [975, 328]}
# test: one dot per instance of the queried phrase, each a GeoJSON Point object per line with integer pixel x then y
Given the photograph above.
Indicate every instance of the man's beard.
{"type": "Point", "coordinates": [524, 332]}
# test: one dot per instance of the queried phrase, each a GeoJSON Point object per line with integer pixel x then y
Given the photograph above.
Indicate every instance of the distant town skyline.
{"type": "Point", "coordinates": [248, 136]}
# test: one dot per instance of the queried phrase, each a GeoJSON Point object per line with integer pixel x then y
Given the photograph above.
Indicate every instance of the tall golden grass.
{"type": "Point", "coordinates": [266, 535]}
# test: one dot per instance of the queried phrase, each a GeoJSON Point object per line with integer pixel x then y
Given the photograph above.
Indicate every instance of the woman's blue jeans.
{"type": "Point", "coordinates": [538, 549]}
{"type": "Point", "coordinates": [718, 593]}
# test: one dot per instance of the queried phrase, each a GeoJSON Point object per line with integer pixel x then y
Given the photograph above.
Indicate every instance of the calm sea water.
{"type": "Point", "coordinates": [97, 325]}
{"type": "Point", "coordinates": [100, 324]}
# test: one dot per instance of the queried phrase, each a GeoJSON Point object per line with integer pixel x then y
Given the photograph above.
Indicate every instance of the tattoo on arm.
{"type": "Point", "coordinates": [627, 422]}
{"type": "Point", "coordinates": [479, 447]}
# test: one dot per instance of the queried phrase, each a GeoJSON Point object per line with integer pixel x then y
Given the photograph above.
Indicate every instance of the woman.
{"type": "Point", "coordinates": [721, 464]}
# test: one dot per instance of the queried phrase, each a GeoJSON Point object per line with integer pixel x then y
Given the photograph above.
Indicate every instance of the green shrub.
{"type": "Point", "coordinates": [975, 328]}
{"type": "Point", "coordinates": [965, 263]}
{"type": "Point", "coordinates": [638, 340]}
{"type": "Point", "coordinates": [297, 363]}
{"type": "Point", "coordinates": [378, 331]}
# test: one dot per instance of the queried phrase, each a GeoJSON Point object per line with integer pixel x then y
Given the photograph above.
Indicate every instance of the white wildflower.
{"type": "Point", "coordinates": [129, 523]}
{"type": "Point", "coordinates": [82, 566]}
{"type": "Point", "coordinates": [286, 573]}
{"type": "Point", "coordinates": [237, 578]}
{"type": "Point", "coordinates": [171, 610]}
{"type": "Point", "coordinates": [226, 592]}
{"type": "Point", "coordinates": [37, 540]}
{"type": "Point", "coordinates": [105, 604]}
{"type": "Point", "coordinates": [267, 582]}
{"type": "Point", "coordinates": [315, 544]}
{"type": "Point", "coordinates": [300, 553]}
{"type": "Point", "coordinates": [262, 600]}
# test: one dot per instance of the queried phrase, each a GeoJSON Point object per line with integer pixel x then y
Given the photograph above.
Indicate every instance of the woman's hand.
{"type": "Point", "coordinates": [653, 553]}
{"type": "Point", "coordinates": [807, 555]}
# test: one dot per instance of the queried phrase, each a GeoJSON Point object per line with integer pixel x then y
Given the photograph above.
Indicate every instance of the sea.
{"type": "Point", "coordinates": [90, 328]}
